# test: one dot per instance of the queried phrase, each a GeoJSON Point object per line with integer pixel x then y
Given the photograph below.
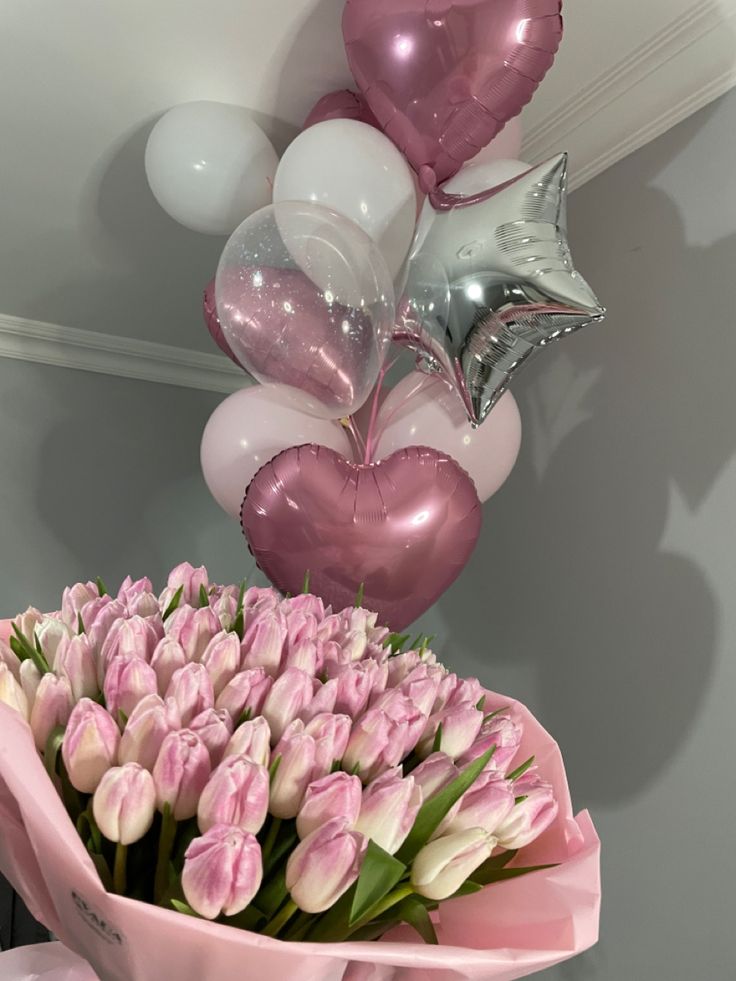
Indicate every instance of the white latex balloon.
{"type": "Point", "coordinates": [355, 170]}
{"type": "Point", "coordinates": [210, 166]}
{"type": "Point", "coordinates": [250, 428]}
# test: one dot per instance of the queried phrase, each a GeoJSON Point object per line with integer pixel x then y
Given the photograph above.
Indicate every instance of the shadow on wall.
{"type": "Point", "coordinates": [571, 576]}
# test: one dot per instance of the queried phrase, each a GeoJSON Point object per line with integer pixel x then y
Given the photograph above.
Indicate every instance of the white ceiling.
{"type": "Point", "coordinates": [83, 244]}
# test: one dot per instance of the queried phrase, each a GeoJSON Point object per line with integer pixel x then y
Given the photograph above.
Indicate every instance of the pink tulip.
{"type": "Point", "coordinates": [324, 866]}
{"type": "Point", "coordinates": [401, 666]}
{"type": "Point", "coordinates": [443, 865]}
{"type": "Point", "coordinates": [214, 729]}
{"type": "Point", "coordinates": [52, 707]}
{"type": "Point", "coordinates": [288, 697]}
{"type": "Point", "coordinates": [222, 872]}
{"type": "Point", "coordinates": [407, 721]}
{"type": "Point", "coordinates": [128, 680]}
{"type": "Point", "coordinates": [373, 746]}
{"type": "Point", "coordinates": [193, 629]}
{"type": "Point", "coordinates": [28, 622]}
{"type": "Point", "coordinates": [224, 603]}
{"type": "Point", "coordinates": [191, 580]}
{"type": "Point", "coordinates": [467, 692]}
{"type": "Point", "coordinates": [535, 812]}
{"type": "Point", "coordinates": [336, 795]}
{"type": "Point", "coordinates": [50, 633]}
{"type": "Point", "coordinates": [149, 724]}
{"type": "Point", "coordinates": [142, 605]}
{"type": "Point", "coordinates": [136, 637]}
{"type": "Point", "coordinates": [9, 659]}
{"type": "Point", "coordinates": [98, 618]}
{"type": "Point", "coordinates": [30, 678]}
{"type": "Point", "coordinates": [356, 683]}
{"type": "Point", "coordinates": [296, 752]}
{"type": "Point", "coordinates": [421, 692]}
{"type": "Point", "coordinates": [303, 656]}
{"type": "Point", "coordinates": [460, 727]}
{"type": "Point", "coordinates": [435, 773]}
{"type": "Point", "coordinates": [181, 772]}
{"type": "Point", "coordinates": [90, 745]}
{"type": "Point", "coordinates": [388, 810]}
{"type": "Point", "coordinates": [300, 627]}
{"type": "Point", "coordinates": [167, 658]}
{"type": "Point", "coordinates": [305, 603]}
{"type": "Point", "coordinates": [323, 700]}
{"type": "Point", "coordinates": [246, 692]}
{"type": "Point", "coordinates": [258, 600]}
{"type": "Point", "coordinates": [252, 740]}
{"type": "Point", "coordinates": [129, 589]}
{"type": "Point", "coordinates": [236, 794]}
{"type": "Point", "coordinates": [487, 805]}
{"type": "Point", "coordinates": [331, 734]}
{"type": "Point", "coordinates": [222, 659]}
{"type": "Point", "coordinates": [124, 803]}
{"type": "Point", "coordinates": [11, 692]}
{"type": "Point", "coordinates": [263, 644]}
{"type": "Point", "coordinates": [191, 689]}
{"type": "Point", "coordinates": [75, 661]}
{"type": "Point", "coordinates": [501, 732]}
{"type": "Point", "coordinates": [74, 599]}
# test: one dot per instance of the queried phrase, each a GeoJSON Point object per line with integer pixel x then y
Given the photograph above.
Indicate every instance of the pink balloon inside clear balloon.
{"type": "Point", "coordinates": [443, 78]}
{"type": "Point", "coordinates": [423, 410]}
{"type": "Point", "coordinates": [404, 528]}
{"type": "Point", "coordinates": [250, 428]}
{"type": "Point", "coordinates": [209, 312]}
{"type": "Point", "coordinates": [341, 105]}
{"type": "Point", "coordinates": [305, 299]}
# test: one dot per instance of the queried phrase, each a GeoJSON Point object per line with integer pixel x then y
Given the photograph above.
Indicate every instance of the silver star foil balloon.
{"type": "Point", "coordinates": [491, 280]}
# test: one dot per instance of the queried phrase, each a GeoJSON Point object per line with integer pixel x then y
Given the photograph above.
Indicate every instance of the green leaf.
{"type": "Point", "coordinates": [274, 769]}
{"type": "Point", "coordinates": [520, 800]}
{"type": "Point", "coordinates": [101, 587]}
{"type": "Point", "coordinates": [204, 599]}
{"type": "Point", "coordinates": [487, 718]}
{"type": "Point", "coordinates": [396, 642]}
{"type": "Point", "coordinates": [360, 597]}
{"type": "Point", "coordinates": [305, 587]}
{"type": "Point", "coordinates": [502, 875]}
{"type": "Point", "coordinates": [481, 704]}
{"type": "Point", "coordinates": [437, 744]}
{"type": "Point", "coordinates": [184, 908]}
{"type": "Point", "coordinates": [272, 894]}
{"type": "Point", "coordinates": [250, 919]}
{"type": "Point", "coordinates": [52, 749]}
{"type": "Point", "coordinates": [80, 624]}
{"type": "Point", "coordinates": [29, 652]}
{"type": "Point", "coordinates": [245, 717]}
{"type": "Point", "coordinates": [498, 861]}
{"type": "Point", "coordinates": [411, 911]}
{"type": "Point", "coordinates": [426, 641]}
{"type": "Point", "coordinates": [467, 889]}
{"type": "Point", "coordinates": [17, 649]}
{"type": "Point", "coordinates": [122, 719]}
{"type": "Point", "coordinates": [434, 811]}
{"type": "Point", "coordinates": [238, 625]}
{"type": "Point", "coordinates": [379, 874]}
{"type": "Point", "coordinates": [521, 770]}
{"type": "Point", "coordinates": [174, 604]}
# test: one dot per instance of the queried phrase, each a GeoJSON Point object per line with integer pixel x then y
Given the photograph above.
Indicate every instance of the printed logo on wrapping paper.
{"type": "Point", "coordinates": [97, 922]}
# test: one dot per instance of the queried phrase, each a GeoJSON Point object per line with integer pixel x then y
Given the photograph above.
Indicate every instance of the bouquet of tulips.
{"type": "Point", "coordinates": [273, 766]}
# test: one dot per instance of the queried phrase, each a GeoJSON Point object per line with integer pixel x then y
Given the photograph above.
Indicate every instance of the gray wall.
{"type": "Point", "coordinates": [602, 591]}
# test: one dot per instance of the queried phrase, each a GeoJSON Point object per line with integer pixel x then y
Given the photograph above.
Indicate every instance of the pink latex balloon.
{"type": "Point", "coordinates": [209, 311]}
{"type": "Point", "coordinates": [341, 105]}
{"type": "Point", "coordinates": [404, 528]}
{"type": "Point", "coordinates": [423, 410]}
{"type": "Point", "coordinates": [250, 428]}
{"type": "Point", "coordinates": [443, 77]}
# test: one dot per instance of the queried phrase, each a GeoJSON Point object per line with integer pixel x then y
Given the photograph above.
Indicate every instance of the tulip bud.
{"type": "Point", "coordinates": [535, 812]}
{"type": "Point", "coordinates": [487, 804]}
{"type": "Point", "coordinates": [435, 773]}
{"type": "Point", "coordinates": [263, 644]}
{"type": "Point", "coordinates": [252, 740]}
{"type": "Point", "coordinates": [467, 692]}
{"type": "Point", "coordinates": [74, 598]}
{"type": "Point", "coordinates": [149, 724]}
{"type": "Point", "coordinates": [288, 697]}
{"type": "Point", "coordinates": [193, 629]}
{"type": "Point", "coordinates": [304, 603]}
{"type": "Point", "coordinates": [98, 618]}
{"type": "Point", "coordinates": [337, 795]}
{"type": "Point", "coordinates": [296, 752]}
{"type": "Point", "coordinates": [27, 623]}
{"type": "Point", "coordinates": [130, 589]}
{"type": "Point", "coordinates": [128, 680]}
{"type": "Point", "coordinates": [10, 660]}
{"type": "Point", "coordinates": [303, 656]}
{"type": "Point", "coordinates": [30, 678]}
{"type": "Point", "coordinates": [355, 685]}
{"type": "Point", "coordinates": [124, 803]}
{"type": "Point", "coordinates": [181, 772]}
{"type": "Point", "coordinates": [50, 633]}
{"type": "Point", "coordinates": [388, 810]}
{"type": "Point", "coordinates": [443, 865]}
{"type": "Point", "coordinates": [214, 729]}
{"type": "Point", "coordinates": [190, 580]}
{"type": "Point", "coordinates": [142, 605]}
{"type": "Point", "coordinates": [51, 708]}
{"type": "Point", "coordinates": [330, 733]}
{"type": "Point", "coordinates": [191, 689]}
{"type": "Point", "coordinates": [300, 627]}
{"type": "Point", "coordinates": [134, 638]}
{"type": "Point", "coordinates": [259, 600]}
{"type": "Point", "coordinates": [409, 721]}
{"type": "Point", "coordinates": [11, 692]}
{"type": "Point", "coordinates": [500, 732]}
{"type": "Point", "coordinates": [236, 794]}
{"type": "Point", "coordinates": [246, 692]}
{"type": "Point", "coordinates": [421, 690]}
{"type": "Point", "coordinates": [460, 727]}
{"type": "Point", "coordinates": [324, 866]}
{"type": "Point", "coordinates": [323, 701]}
{"type": "Point", "coordinates": [90, 745]}
{"type": "Point", "coordinates": [222, 659]}
{"type": "Point", "coordinates": [75, 661]}
{"type": "Point", "coordinates": [222, 872]}
{"type": "Point", "coordinates": [370, 751]}
{"type": "Point", "coordinates": [167, 658]}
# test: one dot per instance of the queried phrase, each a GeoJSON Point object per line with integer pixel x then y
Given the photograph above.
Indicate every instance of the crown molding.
{"type": "Point", "coordinates": [123, 357]}
{"type": "Point", "coordinates": [689, 62]}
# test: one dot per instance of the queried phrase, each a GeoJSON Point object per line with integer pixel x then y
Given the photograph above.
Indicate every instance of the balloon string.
{"type": "Point", "coordinates": [371, 442]}
{"type": "Point", "coordinates": [406, 399]}
{"type": "Point", "coordinates": [354, 432]}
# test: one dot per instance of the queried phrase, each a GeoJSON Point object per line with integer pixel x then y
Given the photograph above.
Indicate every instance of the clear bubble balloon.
{"type": "Point", "coordinates": [305, 299]}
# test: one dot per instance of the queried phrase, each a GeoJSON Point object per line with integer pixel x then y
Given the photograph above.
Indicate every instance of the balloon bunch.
{"type": "Point", "coordinates": [373, 228]}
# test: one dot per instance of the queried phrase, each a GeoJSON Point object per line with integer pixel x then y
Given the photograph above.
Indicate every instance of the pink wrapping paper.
{"type": "Point", "coordinates": [510, 930]}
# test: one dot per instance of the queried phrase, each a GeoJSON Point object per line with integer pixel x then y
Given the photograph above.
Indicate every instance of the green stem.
{"type": "Point", "coordinates": [299, 927]}
{"type": "Point", "coordinates": [165, 846]}
{"type": "Point", "coordinates": [119, 877]}
{"type": "Point", "coordinates": [281, 919]}
{"type": "Point", "coordinates": [400, 893]}
{"type": "Point", "coordinates": [273, 833]}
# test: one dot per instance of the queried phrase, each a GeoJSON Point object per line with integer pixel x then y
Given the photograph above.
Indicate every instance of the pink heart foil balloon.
{"type": "Point", "coordinates": [442, 77]}
{"type": "Point", "coordinates": [404, 528]}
